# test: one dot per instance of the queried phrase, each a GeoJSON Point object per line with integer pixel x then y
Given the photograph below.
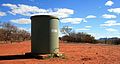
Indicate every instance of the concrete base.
{"type": "Point", "coordinates": [45, 56]}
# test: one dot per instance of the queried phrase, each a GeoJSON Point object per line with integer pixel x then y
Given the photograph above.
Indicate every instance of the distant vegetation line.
{"type": "Point", "coordinates": [87, 38]}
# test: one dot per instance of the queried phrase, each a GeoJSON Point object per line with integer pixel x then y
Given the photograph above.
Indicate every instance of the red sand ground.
{"type": "Point", "coordinates": [75, 54]}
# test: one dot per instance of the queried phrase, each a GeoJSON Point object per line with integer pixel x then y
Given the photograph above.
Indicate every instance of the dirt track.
{"type": "Point", "coordinates": [75, 54]}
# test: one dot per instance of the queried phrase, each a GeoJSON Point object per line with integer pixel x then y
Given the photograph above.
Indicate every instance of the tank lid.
{"type": "Point", "coordinates": [48, 16]}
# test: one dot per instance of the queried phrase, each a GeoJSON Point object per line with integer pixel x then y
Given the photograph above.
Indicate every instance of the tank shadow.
{"type": "Point", "coordinates": [14, 57]}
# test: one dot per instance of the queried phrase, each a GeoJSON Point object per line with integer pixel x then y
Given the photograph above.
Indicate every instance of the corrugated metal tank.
{"type": "Point", "coordinates": [44, 34]}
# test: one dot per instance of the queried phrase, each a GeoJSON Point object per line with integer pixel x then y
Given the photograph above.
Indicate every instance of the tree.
{"type": "Point", "coordinates": [66, 30]}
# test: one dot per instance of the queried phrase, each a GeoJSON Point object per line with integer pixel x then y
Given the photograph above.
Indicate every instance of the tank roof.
{"type": "Point", "coordinates": [48, 16]}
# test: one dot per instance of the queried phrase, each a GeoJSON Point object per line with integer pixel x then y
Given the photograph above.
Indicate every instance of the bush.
{"type": "Point", "coordinates": [79, 37]}
{"type": "Point", "coordinates": [9, 32]}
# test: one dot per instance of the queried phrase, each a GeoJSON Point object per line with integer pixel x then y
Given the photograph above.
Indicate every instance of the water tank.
{"type": "Point", "coordinates": [44, 34]}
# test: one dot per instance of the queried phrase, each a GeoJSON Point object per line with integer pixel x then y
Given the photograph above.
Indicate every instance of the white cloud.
{"type": "Point", "coordinates": [24, 28]}
{"type": "Point", "coordinates": [111, 30]}
{"type": "Point", "coordinates": [91, 16]}
{"type": "Point", "coordinates": [110, 23]}
{"type": "Point", "coordinates": [82, 29]}
{"type": "Point", "coordinates": [12, 6]}
{"type": "Point", "coordinates": [109, 3]}
{"type": "Point", "coordinates": [108, 16]}
{"type": "Point", "coordinates": [72, 20]}
{"type": "Point", "coordinates": [59, 12]}
{"type": "Point", "coordinates": [27, 10]}
{"type": "Point", "coordinates": [21, 28]}
{"type": "Point", "coordinates": [88, 26]}
{"type": "Point", "coordinates": [2, 13]}
{"type": "Point", "coordinates": [84, 20]}
{"type": "Point", "coordinates": [114, 10]}
{"type": "Point", "coordinates": [98, 35]}
{"type": "Point", "coordinates": [21, 21]}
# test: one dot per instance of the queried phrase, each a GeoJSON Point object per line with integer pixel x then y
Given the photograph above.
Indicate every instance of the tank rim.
{"type": "Point", "coordinates": [49, 16]}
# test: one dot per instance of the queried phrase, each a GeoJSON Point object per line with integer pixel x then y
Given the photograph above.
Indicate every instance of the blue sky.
{"type": "Point", "coordinates": [100, 18]}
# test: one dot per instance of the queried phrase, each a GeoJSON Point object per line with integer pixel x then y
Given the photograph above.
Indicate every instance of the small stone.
{"type": "Point", "coordinates": [96, 53]}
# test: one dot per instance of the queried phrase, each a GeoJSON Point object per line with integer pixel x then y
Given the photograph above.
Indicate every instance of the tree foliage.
{"type": "Point", "coordinates": [66, 30]}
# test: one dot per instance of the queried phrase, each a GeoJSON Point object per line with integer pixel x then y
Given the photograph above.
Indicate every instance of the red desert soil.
{"type": "Point", "coordinates": [75, 54]}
